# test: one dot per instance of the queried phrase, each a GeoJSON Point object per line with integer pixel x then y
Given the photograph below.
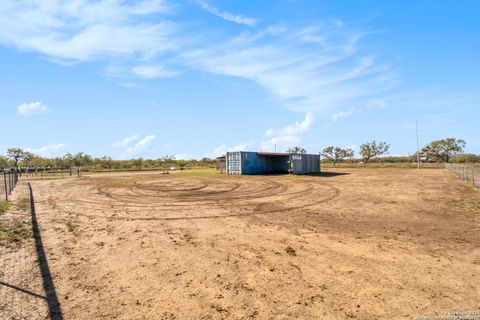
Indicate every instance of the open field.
{"type": "Point", "coordinates": [355, 243]}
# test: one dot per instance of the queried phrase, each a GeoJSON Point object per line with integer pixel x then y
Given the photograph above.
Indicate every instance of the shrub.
{"type": "Point", "coordinates": [4, 206]}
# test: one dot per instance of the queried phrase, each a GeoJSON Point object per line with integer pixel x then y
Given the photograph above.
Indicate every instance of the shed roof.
{"type": "Point", "coordinates": [273, 154]}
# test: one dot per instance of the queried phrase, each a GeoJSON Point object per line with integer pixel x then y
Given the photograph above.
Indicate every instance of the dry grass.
{"type": "Point", "coordinates": [23, 204]}
{"type": "Point", "coordinates": [4, 206]}
{"type": "Point", "coordinates": [15, 232]}
{"type": "Point", "coordinates": [14, 228]}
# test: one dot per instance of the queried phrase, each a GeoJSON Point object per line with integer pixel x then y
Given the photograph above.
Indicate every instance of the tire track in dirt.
{"type": "Point", "coordinates": [239, 199]}
{"type": "Point", "coordinates": [144, 200]}
{"type": "Point", "coordinates": [270, 188]}
{"type": "Point", "coordinates": [171, 202]}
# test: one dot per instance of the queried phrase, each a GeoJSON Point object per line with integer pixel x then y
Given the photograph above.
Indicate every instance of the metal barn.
{"type": "Point", "coordinates": [245, 162]}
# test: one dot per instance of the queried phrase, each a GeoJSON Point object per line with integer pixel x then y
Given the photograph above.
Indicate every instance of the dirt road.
{"type": "Point", "coordinates": [356, 243]}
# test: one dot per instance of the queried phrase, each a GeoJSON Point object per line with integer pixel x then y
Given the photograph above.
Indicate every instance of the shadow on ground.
{"type": "Point", "coordinates": [327, 174]}
{"type": "Point", "coordinates": [316, 174]}
{"type": "Point", "coordinates": [48, 286]}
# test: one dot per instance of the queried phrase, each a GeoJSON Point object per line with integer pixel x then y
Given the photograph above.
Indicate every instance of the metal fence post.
{"type": "Point", "coordinates": [473, 175]}
{"type": "Point", "coordinates": [5, 181]}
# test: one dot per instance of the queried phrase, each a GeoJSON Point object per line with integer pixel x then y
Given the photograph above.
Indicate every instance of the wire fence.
{"type": "Point", "coordinates": [468, 173]}
{"type": "Point", "coordinates": [52, 173]}
{"type": "Point", "coordinates": [10, 179]}
{"type": "Point", "coordinates": [22, 289]}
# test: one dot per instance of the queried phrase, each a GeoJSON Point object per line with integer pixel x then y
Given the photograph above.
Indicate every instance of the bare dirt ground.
{"type": "Point", "coordinates": [358, 243]}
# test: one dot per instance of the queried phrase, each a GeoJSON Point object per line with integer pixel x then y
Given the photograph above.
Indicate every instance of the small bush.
{"type": "Point", "coordinates": [14, 233]}
{"type": "Point", "coordinates": [4, 206]}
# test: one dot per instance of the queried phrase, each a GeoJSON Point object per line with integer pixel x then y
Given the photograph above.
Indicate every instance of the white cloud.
{"type": "Point", "coordinates": [48, 150]}
{"type": "Point", "coordinates": [293, 129]}
{"type": "Point", "coordinates": [319, 67]}
{"type": "Point", "coordinates": [135, 145]}
{"type": "Point", "coordinates": [226, 15]}
{"type": "Point", "coordinates": [153, 71]}
{"type": "Point", "coordinates": [141, 145]}
{"type": "Point", "coordinates": [75, 31]}
{"type": "Point", "coordinates": [223, 149]}
{"type": "Point", "coordinates": [28, 109]}
{"type": "Point", "coordinates": [282, 139]}
{"type": "Point", "coordinates": [218, 151]}
{"type": "Point", "coordinates": [288, 136]}
{"type": "Point", "coordinates": [127, 141]}
{"type": "Point", "coordinates": [311, 69]}
{"type": "Point", "coordinates": [343, 114]}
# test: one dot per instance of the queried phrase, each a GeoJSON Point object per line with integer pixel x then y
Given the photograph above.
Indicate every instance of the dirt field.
{"type": "Point", "coordinates": [357, 243]}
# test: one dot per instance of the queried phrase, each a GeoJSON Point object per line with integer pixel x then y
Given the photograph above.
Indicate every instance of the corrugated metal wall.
{"type": "Point", "coordinates": [243, 162]}
{"type": "Point", "coordinates": [234, 163]}
{"type": "Point", "coordinates": [252, 163]}
{"type": "Point", "coordinates": [305, 163]}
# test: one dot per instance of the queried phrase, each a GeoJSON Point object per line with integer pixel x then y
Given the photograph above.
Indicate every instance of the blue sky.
{"type": "Point", "coordinates": [198, 78]}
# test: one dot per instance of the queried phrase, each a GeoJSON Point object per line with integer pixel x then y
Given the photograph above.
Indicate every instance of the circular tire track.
{"type": "Point", "coordinates": [179, 199]}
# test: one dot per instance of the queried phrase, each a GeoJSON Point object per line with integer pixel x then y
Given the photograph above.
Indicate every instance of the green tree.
{"type": "Point", "coordinates": [16, 154]}
{"type": "Point", "coordinates": [467, 158]}
{"type": "Point", "coordinates": [4, 162]}
{"type": "Point", "coordinates": [28, 157]}
{"type": "Point", "coordinates": [372, 150]}
{"type": "Point", "coordinates": [296, 149]}
{"type": "Point", "coordinates": [67, 160]}
{"type": "Point", "coordinates": [138, 163]}
{"type": "Point", "coordinates": [337, 154]}
{"type": "Point", "coordinates": [82, 159]}
{"type": "Point", "coordinates": [445, 149]}
{"type": "Point", "coordinates": [107, 162]}
{"type": "Point", "coordinates": [167, 161]}
{"type": "Point", "coordinates": [181, 163]}
{"type": "Point", "coordinates": [35, 161]}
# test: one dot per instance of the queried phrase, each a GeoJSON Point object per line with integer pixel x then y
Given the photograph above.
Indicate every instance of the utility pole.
{"type": "Point", "coordinates": [418, 154]}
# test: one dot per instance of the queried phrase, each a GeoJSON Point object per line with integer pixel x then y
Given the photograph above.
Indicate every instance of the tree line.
{"type": "Point", "coordinates": [444, 150]}
{"type": "Point", "coordinates": [18, 157]}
